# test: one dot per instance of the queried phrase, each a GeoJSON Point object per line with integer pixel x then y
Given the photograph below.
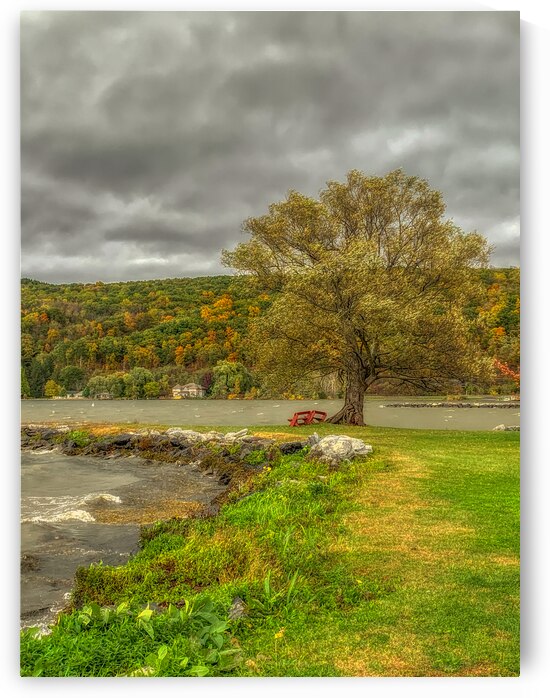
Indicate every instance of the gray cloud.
{"type": "Point", "coordinates": [147, 138]}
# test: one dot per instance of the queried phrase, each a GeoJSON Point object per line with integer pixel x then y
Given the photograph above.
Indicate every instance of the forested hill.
{"type": "Point", "coordinates": [139, 338]}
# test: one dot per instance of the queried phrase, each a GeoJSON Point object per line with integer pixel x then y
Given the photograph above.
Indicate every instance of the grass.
{"type": "Point", "coordinates": [403, 564]}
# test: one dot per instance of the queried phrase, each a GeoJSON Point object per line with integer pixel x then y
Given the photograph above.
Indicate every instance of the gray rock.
{"type": "Point", "coordinates": [185, 435]}
{"type": "Point", "coordinates": [314, 439]}
{"type": "Point", "coordinates": [336, 448]}
{"type": "Point", "coordinates": [237, 610]}
{"type": "Point", "coordinates": [291, 447]}
{"type": "Point", "coordinates": [121, 439]}
{"type": "Point", "coordinates": [233, 436]}
{"type": "Point", "coordinates": [212, 436]}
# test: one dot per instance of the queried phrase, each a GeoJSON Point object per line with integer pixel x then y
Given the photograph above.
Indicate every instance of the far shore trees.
{"type": "Point", "coordinates": [370, 283]}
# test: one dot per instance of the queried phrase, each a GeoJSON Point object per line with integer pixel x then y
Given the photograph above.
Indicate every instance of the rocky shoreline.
{"type": "Point", "coordinates": [451, 405]}
{"type": "Point", "coordinates": [233, 457]}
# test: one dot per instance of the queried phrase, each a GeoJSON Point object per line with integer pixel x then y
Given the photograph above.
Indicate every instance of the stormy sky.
{"type": "Point", "coordinates": [147, 138]}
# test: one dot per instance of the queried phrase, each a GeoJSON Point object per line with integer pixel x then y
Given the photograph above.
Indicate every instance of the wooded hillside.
{"type": "Point", "coordinates": [138, 339]}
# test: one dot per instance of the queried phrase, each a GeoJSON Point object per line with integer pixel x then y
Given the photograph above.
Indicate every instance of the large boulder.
{"type": "Point", "coordinates": [337, 448]}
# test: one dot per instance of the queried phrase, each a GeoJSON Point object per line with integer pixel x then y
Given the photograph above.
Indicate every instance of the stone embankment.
{"type": "Point", "coordinates": [512, 404]}
{"type": "Point", "coordinates": [232, 457]}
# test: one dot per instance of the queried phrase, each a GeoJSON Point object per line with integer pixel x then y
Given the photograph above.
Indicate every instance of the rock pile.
{"type": "Point", "coordinates": [451, 404]}
{"type": "Point", "coordinates": [225, 455]}
{"type": "Point", "coordinates": [214, 452]}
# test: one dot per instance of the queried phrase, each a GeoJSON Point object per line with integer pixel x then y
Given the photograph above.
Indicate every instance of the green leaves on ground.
{"type": "Point", "coordinates": [98, 641]}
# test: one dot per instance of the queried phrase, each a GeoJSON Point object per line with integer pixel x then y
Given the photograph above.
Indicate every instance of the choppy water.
{"type": "Point", "coordinates": [256, 413]}
{"type": "Point", "coordinates": [78, 510]}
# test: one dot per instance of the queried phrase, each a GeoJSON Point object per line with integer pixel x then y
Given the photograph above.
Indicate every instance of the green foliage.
{"type": "Point", "coordinates": [405, 562]}
{"type": "Point", "coordinates": [151, 389]}
{"type": "Point", "coordinates": [79, 437]}
{"type": "Point", "coordinates": [72, 378]}
{"type": "Point", "coordinates": [371, 285]}
{"type": "Point", "coordinates": [230, 377]}
{"type": "Point", "coordinates": [126, 640]}
{"type": "Point", "coordinates": [52, 389]}
{"type": "Point", "coordinates": [38, 371]}
{"type": "Point", "coordinates": [25, 388]}
{"type": "Point", "coordinates": [279, 602]}
{"type": "Point", "coordinates": [135, 382]}
{"type": "Point", "coordinates": [497, 314]}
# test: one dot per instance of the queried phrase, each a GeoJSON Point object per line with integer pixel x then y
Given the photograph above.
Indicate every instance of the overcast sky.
{"type": "Point", "coordinates": [147, 138]}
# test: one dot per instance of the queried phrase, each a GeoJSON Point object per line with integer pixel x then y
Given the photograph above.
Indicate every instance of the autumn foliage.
{"type": "Point", "coordinates": [180, 329]}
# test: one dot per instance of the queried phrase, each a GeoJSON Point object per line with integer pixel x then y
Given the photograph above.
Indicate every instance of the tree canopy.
{"type": "Point", "coordinates": [371, 281]}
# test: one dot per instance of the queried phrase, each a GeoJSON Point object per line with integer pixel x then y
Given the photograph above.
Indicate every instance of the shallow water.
{"type": "Point", "coordinates": [258, 413]}
{"type": "Point", "coordinates": [77, 510]}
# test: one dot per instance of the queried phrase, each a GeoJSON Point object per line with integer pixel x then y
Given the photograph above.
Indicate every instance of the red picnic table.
{"type": "Point", "coordinates": [307, 417]}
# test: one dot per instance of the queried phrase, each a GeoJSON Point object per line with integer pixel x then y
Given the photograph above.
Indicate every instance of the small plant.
{"type": "Point", "coordinates": [189, 641]}
{"type": "Point", "coordinates": [272, 601]}
{"type": "Point", "coordinates": [256, 457]}
{"type": "Point", "coordinates": [79, 438]}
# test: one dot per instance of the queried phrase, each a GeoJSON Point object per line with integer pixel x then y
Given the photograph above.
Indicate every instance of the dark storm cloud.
{"type": "Point", "coordinates": [147, 138]}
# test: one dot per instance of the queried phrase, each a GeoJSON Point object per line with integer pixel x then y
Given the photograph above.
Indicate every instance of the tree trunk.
{"type": "Point", "coordinates": [352, 411]}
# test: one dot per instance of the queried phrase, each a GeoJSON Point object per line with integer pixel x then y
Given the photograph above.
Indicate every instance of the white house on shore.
{"type": "Point", "coordinates": [188, 390]}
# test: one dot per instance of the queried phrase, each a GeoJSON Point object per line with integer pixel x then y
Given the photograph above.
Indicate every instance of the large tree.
{"type": "Point", "coordinates": [369, 282]}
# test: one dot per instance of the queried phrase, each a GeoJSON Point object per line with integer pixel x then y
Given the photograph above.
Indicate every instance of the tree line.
{"type": "Point", "coordinates": [138, 339]}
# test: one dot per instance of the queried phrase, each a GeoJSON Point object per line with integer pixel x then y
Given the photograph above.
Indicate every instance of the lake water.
{"type": "Point", "coordinates": [258, 413]}
{"type": "Point", "coordinates": [77, 510]}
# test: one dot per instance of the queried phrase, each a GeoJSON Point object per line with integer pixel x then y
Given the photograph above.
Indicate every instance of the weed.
{"type": "Point", "coordinates": [80, 438]}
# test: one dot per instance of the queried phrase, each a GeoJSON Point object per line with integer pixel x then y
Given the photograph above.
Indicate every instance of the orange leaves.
{"type": "Point", "coordinates": [219, 311]}
{"type": "Point", "coordinates": [206, 313]}
{"type": "Point", "coordinates": [505, 370]}
{"type": "Point", "coordinates": [180, 355]}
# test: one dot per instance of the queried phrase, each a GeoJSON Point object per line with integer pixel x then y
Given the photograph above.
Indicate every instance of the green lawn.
{"type": "Point", "coordinates": [403, 564]}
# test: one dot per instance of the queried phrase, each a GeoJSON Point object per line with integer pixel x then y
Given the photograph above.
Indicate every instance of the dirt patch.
{"type": "Point", "coordinates": [147, 514]}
